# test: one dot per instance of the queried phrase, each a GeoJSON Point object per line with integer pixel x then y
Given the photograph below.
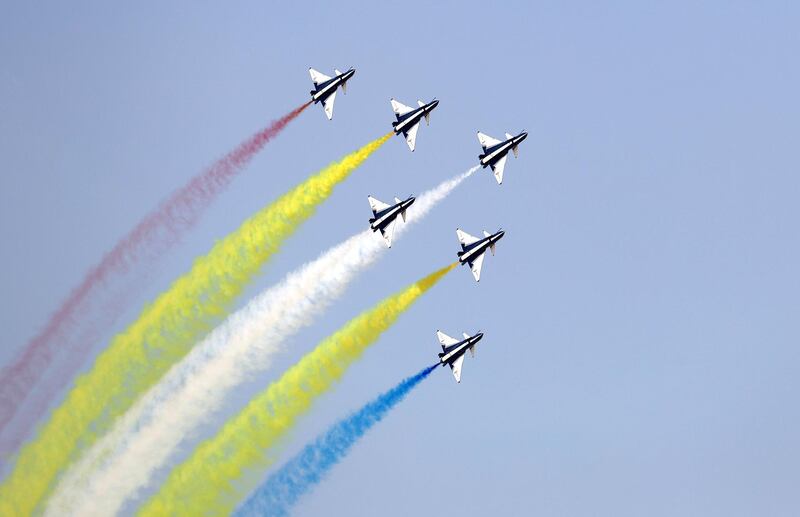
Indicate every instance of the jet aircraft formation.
{"type": "Point", "coordinates": [44, 467]}
{"type": "Point", "coordinates": [384, 216]}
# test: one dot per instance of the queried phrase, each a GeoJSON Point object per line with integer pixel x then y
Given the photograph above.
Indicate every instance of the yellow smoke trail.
{"type": "Point", "coordinates": [210, 481]}
{"type": "Point", "coordinates": [163, 334]}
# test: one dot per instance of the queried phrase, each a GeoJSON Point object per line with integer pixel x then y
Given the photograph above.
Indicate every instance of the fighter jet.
{"type": "Point", "coordinates": [495, 152]}
{"type": "Point", "coordinates": [325, 87]}
{"type": "Point", "coordinates": [474, 249]}
{"type": "Point", "coordinates": [408, 119]}
{"type": "Point", "coordinates": [385, 216]}
{"type": "Point", "coordinates": [453, 351]}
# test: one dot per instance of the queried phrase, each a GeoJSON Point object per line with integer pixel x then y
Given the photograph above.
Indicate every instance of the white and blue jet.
{"type": "Point", "coordinates": [474, 249]}
{"type": "Point", "coordinates": [408, 119]}
{"type": "Point", "coordinates": [453, 350]}
{"type": "Point", "coordinates": [384, 216]}
{"type": "Point", "coordinates": [325, 87]}
{"type": "Point", "coordinates": [495, 152]}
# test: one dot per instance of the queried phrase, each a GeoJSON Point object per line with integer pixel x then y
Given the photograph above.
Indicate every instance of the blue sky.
{"type": "Point", "coordinates": [641, 314]}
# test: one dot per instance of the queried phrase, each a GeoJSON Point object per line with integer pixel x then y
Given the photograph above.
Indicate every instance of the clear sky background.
{"type": "Point", "coordinates": [641, 315]}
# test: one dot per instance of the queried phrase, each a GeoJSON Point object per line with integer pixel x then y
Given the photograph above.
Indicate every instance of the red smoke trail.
{"type": "Point", "coordinates": [149, 240]}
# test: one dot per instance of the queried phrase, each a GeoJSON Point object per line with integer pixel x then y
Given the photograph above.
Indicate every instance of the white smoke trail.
{"type": "Point", "coordinates": [122, 462]}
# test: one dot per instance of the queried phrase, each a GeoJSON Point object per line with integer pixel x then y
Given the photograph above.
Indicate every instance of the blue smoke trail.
{"type": "Point", "coordinates": [283, 488]}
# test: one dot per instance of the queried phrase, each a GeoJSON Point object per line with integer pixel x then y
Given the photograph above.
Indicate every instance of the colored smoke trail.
{"type": "Point", "coordinates": [211, 480]}
{"type": "Point", "coordinates": [300, 474]}
{"type": "Point", "coordinates": [165, 331]}
{"type": "Point", "coordinates": [124, 460]}
{"type": "Point", "coordinates": [156, 234]}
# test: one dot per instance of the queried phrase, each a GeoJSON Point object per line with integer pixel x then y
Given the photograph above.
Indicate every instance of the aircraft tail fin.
{"type": "Point", "coordinates": [464, 238]}
{"type": "Point", "coordinates": [317, 77]}
{"type": "Point", "coordinates": [376, 205]}
{"type": "Point", "coordinates": [445, 340]}
{"type": "Point", "coordinates": [487, 141]}
{"type": "Point", "coordinates": [399, 108]}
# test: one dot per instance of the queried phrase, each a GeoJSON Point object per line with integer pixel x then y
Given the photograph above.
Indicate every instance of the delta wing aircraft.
{"type": "Point", "coordinates": [495, 152]}
{"type": "Point", "coordinates": [474, 249]}
{"type": "Point", "coordinates": [384, 217]}
{"type": "Point", "coordinates": [453, 351]}
{"type": "Point", "coordinates": [408, 119]}
{"type": "Point", "coordinates": [325, 87]}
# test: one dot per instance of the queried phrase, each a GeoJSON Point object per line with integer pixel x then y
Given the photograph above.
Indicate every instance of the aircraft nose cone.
{"type": "Point", "coordinates": [434, 104]}
{"type": "Point", "coordinates": [411, 200]}
{"type": "Point", "coordinates": [523, 136]}
{"type": "Point", "coordinates": [500, 234]}
{"type": "Point", "coordinates": [479, 335]}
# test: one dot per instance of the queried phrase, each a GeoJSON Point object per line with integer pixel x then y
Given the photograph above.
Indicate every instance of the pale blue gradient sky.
{"type": "Point", "coordinates": [641, 315]}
